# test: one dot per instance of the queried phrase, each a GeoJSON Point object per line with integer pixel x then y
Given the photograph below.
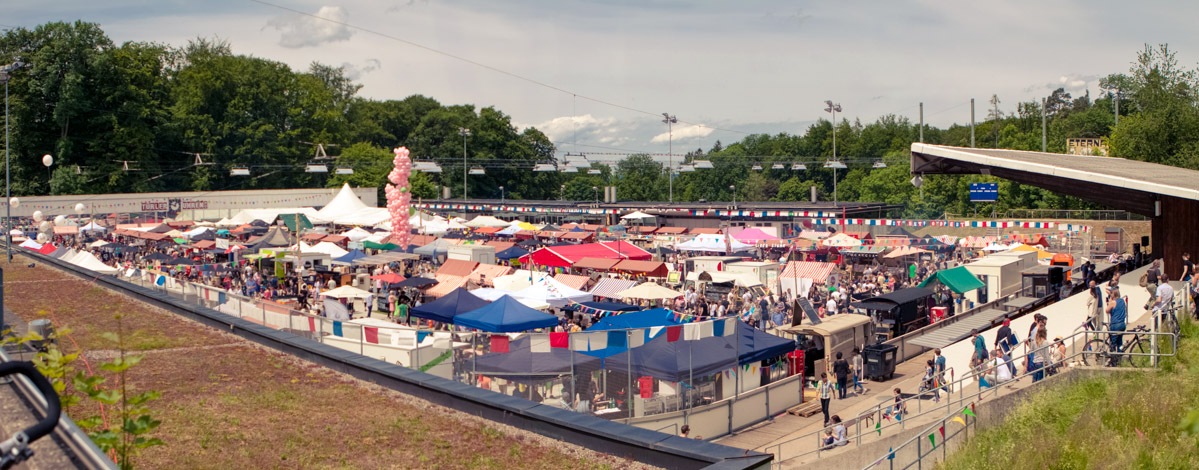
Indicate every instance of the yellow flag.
{"type": "Point", "coordinates": [958, 419]}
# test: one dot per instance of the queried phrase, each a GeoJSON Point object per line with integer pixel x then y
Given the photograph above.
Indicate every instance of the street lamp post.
{"type": "Point", "coordinates": [596, 190]}
{"type": "Point", "coordinates": [733, 188]}
{"type": "Point", "coordinates": [464, 132]}
{"type": "Point", "coordinates": [834, 108]}
{"type": "Point", "coordinates": [670, 121]}
{"type": "Point", "coordinates": [5, 74]}
{"type": "Point", "coordinates": [501, 194]}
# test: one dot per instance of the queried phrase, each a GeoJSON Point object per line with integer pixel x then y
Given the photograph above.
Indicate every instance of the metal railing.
{"type": "Point", "coordinates": [890, 408]}
{"type": "Point", "coordinates": [1153, 357]}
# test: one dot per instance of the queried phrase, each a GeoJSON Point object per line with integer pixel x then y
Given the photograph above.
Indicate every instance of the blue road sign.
{"type": "Point", "coordinates": [984, 192]}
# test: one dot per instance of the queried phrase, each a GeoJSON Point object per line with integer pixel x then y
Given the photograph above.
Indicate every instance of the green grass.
{"type": "Point", "coordinates": [1127, 420]}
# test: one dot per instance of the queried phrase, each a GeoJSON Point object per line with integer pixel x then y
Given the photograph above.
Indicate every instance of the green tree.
{"type": "Point", "coordinates": [640, 178]}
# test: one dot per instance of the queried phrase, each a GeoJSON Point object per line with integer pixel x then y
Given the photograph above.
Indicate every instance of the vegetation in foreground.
{"type": "Point", "coordinates": [1130, 420]}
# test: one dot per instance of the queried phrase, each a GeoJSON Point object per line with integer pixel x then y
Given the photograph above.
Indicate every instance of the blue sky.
{"type": "Point", "coordinates": [724, 68]}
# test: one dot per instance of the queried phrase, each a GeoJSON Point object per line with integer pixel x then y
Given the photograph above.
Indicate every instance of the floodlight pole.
{"type": "Point", "coordinates": [464, 132]}
{"type": "Point", "coordinates": [670, 122]}
{"type": "Point", "coordinates": [834, 108]}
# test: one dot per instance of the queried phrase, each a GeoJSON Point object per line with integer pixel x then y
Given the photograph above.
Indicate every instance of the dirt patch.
{"type": "Point", "coordinates": [227, 403]}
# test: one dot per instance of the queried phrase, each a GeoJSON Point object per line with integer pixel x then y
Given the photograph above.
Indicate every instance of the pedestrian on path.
{"type": "Point", "coordinates": [826, 395]}
{"type": "Point", "coordinates": [841, 370]}
{"type": "Point", "coordinates": [859, 371]}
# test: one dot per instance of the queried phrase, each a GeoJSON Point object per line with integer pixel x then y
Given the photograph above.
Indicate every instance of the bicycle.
{"type": "Point", "coordinates": [1090, 353]}
{"type": "Point", "coordinates": [1169, 320]}
{"type": "Point", "coordinates": [1099, 350]}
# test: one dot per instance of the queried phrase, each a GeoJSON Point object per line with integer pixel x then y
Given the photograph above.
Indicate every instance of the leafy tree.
{"type": "Point", "coordinates": [640, 178]}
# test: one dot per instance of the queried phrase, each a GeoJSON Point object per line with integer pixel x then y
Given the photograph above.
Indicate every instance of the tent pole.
{"type": "Point", "coordinates": [628, 394]}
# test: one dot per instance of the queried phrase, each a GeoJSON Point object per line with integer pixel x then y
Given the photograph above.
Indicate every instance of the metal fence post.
{"type": "Point", "coordinates": [263, 306]}
{"type": "Point", "coordinates": [362, 340]}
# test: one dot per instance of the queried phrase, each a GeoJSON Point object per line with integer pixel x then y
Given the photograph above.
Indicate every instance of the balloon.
{"type": "Point", "coordinates": [38, 216]}
{"type": "Point", "coordinates": [42, 238]}
{"type": "Point", "coordinates": [79, 208]}
{"type": "Point", "coordinates": [60, 220]}
{"type": "Point", "coordinates": [403, 189]}
{"type": "Point", "coordinates": [47, 160]}
{"type": "Point", "coordinates": [14, 202]}
{"type": "Point", "coordinates": [44, 226]}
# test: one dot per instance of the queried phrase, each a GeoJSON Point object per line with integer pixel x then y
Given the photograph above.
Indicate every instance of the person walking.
{"type": "Point", "coordinates": [939, 362]}
{"type": "Point", "coordinates": [841, 370]}
{"type": "Point", "coordinates": [1117, 310]}
{"type": "Point", "coordinates": [826, 395]}
{"type": "Point", "coordinates": [1040, 356]}
{"type": "Point", "coordinates": [859, 371]}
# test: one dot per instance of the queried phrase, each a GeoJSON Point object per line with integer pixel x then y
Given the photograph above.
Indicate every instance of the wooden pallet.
{"type": "Point", "coordinates": [805, 409]}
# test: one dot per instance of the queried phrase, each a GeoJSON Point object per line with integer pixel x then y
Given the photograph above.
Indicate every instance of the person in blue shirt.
{"type": "Point", "coordinates": [980, 345]}
{"type": "Point", "coordinates": [1117, 309]}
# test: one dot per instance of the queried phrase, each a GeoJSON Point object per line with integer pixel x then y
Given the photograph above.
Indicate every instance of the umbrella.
{"type": "Point", "coordinates": [156, 256]}
{"type": "Point", "coordinates": [636, 215]}
{"type": "Point", "coordinates": [417, 282]}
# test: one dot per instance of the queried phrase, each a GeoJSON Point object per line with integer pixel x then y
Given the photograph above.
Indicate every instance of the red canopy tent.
{"type": "Point", "coordinates": [565, 256]}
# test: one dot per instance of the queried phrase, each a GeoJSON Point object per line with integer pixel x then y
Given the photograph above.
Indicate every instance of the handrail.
{"type": "Point", "coordinates": [877, 411]}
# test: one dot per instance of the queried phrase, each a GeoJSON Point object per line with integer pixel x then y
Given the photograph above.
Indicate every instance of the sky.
{"type": "Point", "coordinates": [596, 75]}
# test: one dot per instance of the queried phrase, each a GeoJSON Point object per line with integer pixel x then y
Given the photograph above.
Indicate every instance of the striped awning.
{"type": "Point", "coordinates": [572, 280]}
{"type": "Point", "coordinates": [609, 287]}
{"type": "Point", "coordinates": [813, 270]}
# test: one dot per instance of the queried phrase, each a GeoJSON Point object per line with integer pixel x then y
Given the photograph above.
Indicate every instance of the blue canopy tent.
{"type": "Point", "coordinates": [642, 319]}
{"type": "Point", "coordinates": [681, 360]}
{"type": "Point", "coordinates": [349, 258]}
{"type": "Point", "coordinates": [520, 363]}
{"type": "Point", "coordinates": [448, 306]}
{"type": "Point", "coordinates": [512, 252]}
{"type": "Point", "coordinates": [506, 315]}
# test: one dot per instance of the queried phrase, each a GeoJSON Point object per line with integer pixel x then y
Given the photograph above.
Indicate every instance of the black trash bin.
{"type": "Point", "coordinates": [880, 361]}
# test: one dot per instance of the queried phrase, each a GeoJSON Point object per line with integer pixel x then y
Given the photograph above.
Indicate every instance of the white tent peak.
{"type": "Point", "coordinates": [343, 204]}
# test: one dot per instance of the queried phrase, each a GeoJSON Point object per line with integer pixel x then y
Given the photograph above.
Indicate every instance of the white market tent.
{"type": "Point", "coordinates": [225, 222]}
{"type": "Point", "coordinates": [553, 292]}
{"type": "Point", "coordinates": [269, 215]}
{"type": "Point", "coordinates": [342, 205]}
{"type": "Point", "coordinates": [327, 248]}
{"type": "Point", "coordinates": [486, 221]}
{"type": "Point", "coordinates": [712, 242]}
{"type": "Point", "coordinates": [85, 260]}
{"type": "Point", "coordinates": [518, 280]}
{"type": "Point", "coordinates": [492, 295]}
{"type": "Point", "coordinates": [648, 291]}
{"type": "Point", "coordinates": [346, 292]}
{"type": "Point", "coordinates": [93, 227]}
{"type": "Point", "coordinates": [636, 215]}
{"type": "Point", "coordinates": [841, 240]}
{"type": "Point", "coordinates": [97, 244]}
{"type": "Point", "coordinates": [367, 217]}
{"type": "Point", "coordinates": [356, 234]}
{"type": "Point", "coordinates": [196, 232]}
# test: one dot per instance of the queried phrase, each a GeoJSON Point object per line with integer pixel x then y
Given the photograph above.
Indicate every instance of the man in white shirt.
{"type": "Point", "coordinates": [831, 306]}
{"type": "Point", "coordinates": [1165, 295]}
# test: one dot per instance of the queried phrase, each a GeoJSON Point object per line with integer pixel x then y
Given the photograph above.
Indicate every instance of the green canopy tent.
{"type": "Point", "coordinates": [291, 220]}
{"type": "Point", "coordinates": [379, 246]}
{"type": "Point", "coordinates": [959, 280]}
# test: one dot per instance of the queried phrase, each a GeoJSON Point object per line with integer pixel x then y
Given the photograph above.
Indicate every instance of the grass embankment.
{"type": "Point", "coordinates": [1124, 420]}
{"type": "Point", "coordinates": [229, 404]}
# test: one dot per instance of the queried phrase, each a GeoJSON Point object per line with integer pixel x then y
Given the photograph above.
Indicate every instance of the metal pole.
{"type": "Point", "coordinates": [922, 123]}
{"type": "Point", "coordinates": [670, 158]}
{"type": "Point", "coordinates": [1044, 137]}
{"type": "Point", "coordinates": [971, 122]}
{"type": "Point", "coordinates": [7, 178]}
{"type": "Point", "coordinates": [1117, 107]}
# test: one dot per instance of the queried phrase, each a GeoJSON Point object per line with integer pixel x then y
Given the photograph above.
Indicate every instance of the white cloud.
{"type": "Point", "coordinates": [355, 73]}
{"type": "Point", "coordinates": [587, 130]}
{"type": "Point", "coordinates": [683, 133]}
{"type": "Point", "coordinates": [305, 31]}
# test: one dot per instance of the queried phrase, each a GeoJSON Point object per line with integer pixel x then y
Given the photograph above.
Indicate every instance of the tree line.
{"type": "Point", "coordinates": [143, 116]}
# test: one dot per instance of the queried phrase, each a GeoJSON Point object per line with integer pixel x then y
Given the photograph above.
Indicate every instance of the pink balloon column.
{"type": "Point", "coordinates": [399, 199]}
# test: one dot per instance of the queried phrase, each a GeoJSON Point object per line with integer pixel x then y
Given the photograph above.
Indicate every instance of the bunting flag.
{"type": "Point", "coordinates": [499, 343]}
{"type": "Point", "coordinates": [718, 328]}
{"type": "Point", "coordinates": [560, 340]}
{"type": "Point", "coordinates": [619, 338]}
{"type": "Point", "coordinates": [969, 412]}
{"type": "Point", "coordinates": [637, 338]}
{"type": "Point", "coordinates": [598, 340]}
{"type": "Point", "coordinates": [420, 336]}
{"type": "Point", "coordinates": [878, 427]}
{"type": "Point", "coordinates": [337, 328]}
{"type": "Point", "coordinates": [933, 439]}
{"type": "Point", "coordinates": [942, 430]}
{"type": "Point", "coordinates": [958, 419]}
{"type": "Point", "coordinates": [691, 332]}
{"type": "Point", "coordinates": [672, 333]}
{"type": "Point", "coordinates": [891, 453]}
{"type": "Point", "coordinates": [578, 341]}
{"type": "Point", "coordinates": [539, 344]}
{"type": "Point", "coordinates": [312, 324]}
{"type": "Point", "coordinates": [372, 334]}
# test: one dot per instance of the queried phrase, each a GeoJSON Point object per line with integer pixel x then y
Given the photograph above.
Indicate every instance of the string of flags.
{"type": "Point", "coordinates": [968, 410]}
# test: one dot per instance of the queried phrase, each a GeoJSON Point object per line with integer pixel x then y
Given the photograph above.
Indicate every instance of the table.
{"type": "Point", "coordinates": [606, 411]}
{"type": "Point", "coordinates": [1019, 303]}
